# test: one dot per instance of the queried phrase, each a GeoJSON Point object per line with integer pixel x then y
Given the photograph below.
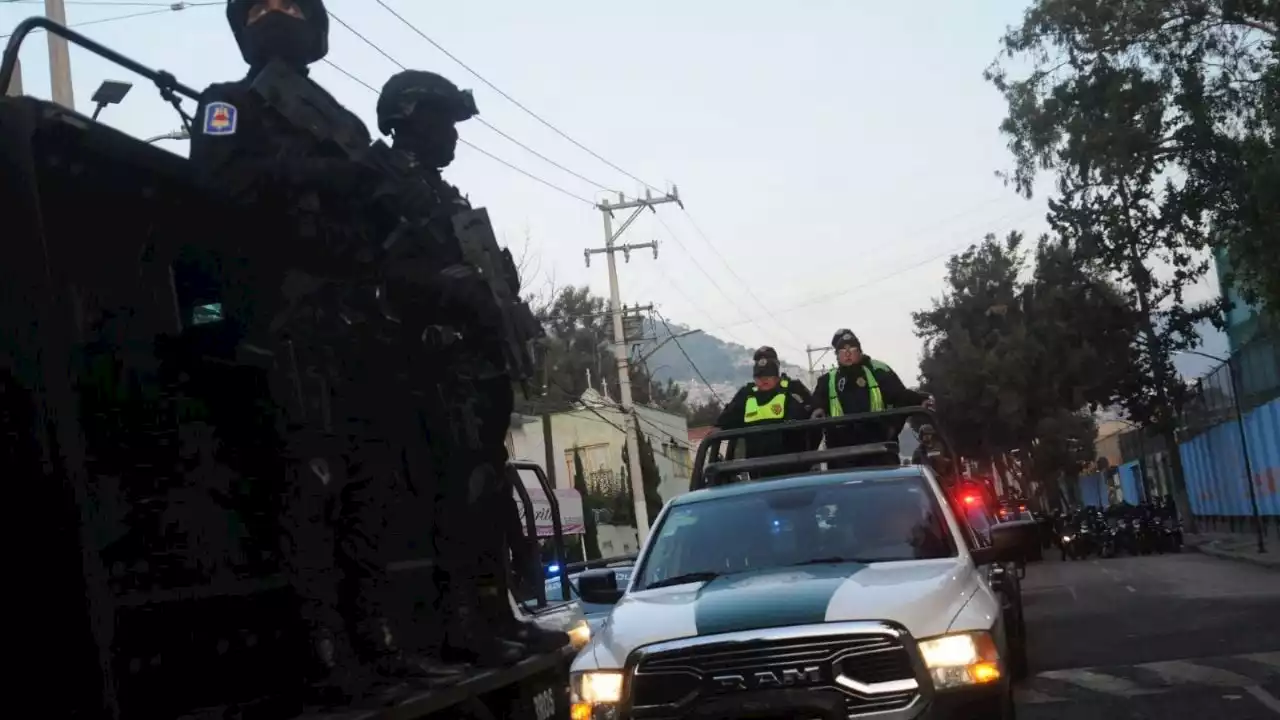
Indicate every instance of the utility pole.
{"type": "Point", "coordinates": [620, 347]}
{"type": "Point", "coordinates": [59, 57]}
{"type": "Point", "coordinates": [15, 83]}
{"type": "Point", "coordinates": [813, 378]}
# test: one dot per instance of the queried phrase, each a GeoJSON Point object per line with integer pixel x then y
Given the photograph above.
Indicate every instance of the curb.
{"type": "Point", "coordinates": [1251, 559]}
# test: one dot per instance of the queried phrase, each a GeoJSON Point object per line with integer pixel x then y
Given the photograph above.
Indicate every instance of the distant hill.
{"type": "Point", "coordinates": [725, 365]}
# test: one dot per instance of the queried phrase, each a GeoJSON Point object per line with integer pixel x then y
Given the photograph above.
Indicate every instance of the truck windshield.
{"type": "Point", "coordinates": [873, 520]}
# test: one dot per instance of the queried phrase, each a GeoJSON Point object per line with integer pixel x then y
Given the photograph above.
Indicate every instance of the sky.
{"type": "Point", "coordinates": [830, 156]}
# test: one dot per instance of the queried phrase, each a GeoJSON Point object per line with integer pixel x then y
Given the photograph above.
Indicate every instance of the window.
{"type": "Point", "coordinates": [870, 520]}
{"type": "Point", "coordinates": [979, 521]}
{"type": "Point", "coordinates": [679, 456]}
{"type": "Point", "coordinates": [600, 467]}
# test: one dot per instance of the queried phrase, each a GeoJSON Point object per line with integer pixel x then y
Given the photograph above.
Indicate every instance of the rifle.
{"type": "Point", "coordinates": [306, 106]}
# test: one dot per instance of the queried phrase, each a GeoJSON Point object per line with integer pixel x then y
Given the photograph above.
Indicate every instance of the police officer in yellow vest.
{"type": "Point", "coordinates": [795, 387]}
{"type": "Point", "coordinates": [859, 384]}
{"type": "Point", "coordinates": [770, 399]}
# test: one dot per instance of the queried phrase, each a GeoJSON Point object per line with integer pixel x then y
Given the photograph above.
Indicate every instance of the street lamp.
{"type": "Point", "coordinates": [174, 135]}
{"type": "Point", "coordinates": [110, 92]}
{"type": "Point", "coordinates": [1244, 442]}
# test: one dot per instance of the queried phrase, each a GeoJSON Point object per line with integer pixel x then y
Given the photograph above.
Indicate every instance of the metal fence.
{"type": "Point", "coordinates": [1253, 371]}
{"type": "Point", "coordinates": [1234, 413]}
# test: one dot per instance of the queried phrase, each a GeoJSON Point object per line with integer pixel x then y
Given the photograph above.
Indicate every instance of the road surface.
{"type": "Point", "coordinates": [1173, 637]}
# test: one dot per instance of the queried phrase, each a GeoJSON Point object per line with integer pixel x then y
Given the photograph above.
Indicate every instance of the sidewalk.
{"type": "Point", "coordinates": [1236, 546]}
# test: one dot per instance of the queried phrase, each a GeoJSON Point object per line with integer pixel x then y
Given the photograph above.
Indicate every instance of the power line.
{"type": "Point", "coordinates": [733, 272]}
{"type": "Point", "coordinates": [671, 233]}
{"type": "Point", "coordinates": [365, 39]}
{"type": "Point", "coordinates": [168, 8]}
{"type": "Point", "coordinates": [875, 281]}
{"type": "Point", "coordinates": [480, 150]}
{"type": "Point", "coordinates": [676, 340]}
{"type": "Point", "coordinates": [512, 100]}
{"type": "Point", "coordinates": [769, 311]}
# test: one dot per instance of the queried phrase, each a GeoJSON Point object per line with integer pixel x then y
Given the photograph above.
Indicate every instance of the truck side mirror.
{"type": "Point", "coordinates": [599, 587]}
{"type": "Point", "coordinates": [1006, 546]}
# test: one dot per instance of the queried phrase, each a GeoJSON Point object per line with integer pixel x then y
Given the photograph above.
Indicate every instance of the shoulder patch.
{"type": "Point", "coordinates": [881, 366]}
{"type": "Point", "coordinates": [220, 118]}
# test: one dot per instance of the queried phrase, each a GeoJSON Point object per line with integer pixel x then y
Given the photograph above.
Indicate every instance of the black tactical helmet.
{"type": "Point", "coordinates": [316, 14]}
{"type": "Point", "coordinates": [406, 91]}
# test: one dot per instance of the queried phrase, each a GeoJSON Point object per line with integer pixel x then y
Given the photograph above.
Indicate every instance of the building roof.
{"type": "Point", "coordinates": [696, 434]}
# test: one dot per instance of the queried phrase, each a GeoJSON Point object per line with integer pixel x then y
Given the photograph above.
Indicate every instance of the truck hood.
{"type": "Point", "coordinates": [923, 595]}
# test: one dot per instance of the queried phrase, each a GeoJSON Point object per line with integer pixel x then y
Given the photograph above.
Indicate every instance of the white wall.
{"type": "Point", "coordinates": [597, 432]}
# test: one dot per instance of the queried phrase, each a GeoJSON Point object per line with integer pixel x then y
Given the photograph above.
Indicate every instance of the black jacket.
{"type": "Point", "coordinates": [798, 407]}
{"type": "Point", "coordinates": [320, 197]}
{"type": "Point", "coordinates": [856, 398]}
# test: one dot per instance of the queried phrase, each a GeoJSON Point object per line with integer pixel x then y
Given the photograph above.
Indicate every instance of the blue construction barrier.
{"type": "Point", "coordinates": [1093, 490]}
{"type": "Point", "coordinates": [1131, 491]}
{"type": "Point", "coordinates": [1215, 469]}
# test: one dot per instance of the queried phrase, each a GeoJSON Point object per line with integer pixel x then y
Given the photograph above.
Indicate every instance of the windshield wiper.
{"type": "Point", "coordinates": [834, 559]}
{"type": "Point", "coordinates": [692, 577]}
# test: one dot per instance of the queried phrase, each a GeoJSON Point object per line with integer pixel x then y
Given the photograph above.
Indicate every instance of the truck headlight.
{"type": "Point", "coordinates": [580, 634]}
{"type": "Point", "coordinates": [592, 692]}
{"type": "Point", "coordinates": [961, 659]}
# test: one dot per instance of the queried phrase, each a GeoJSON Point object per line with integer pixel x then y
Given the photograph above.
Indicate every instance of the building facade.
{"type": "Point", "coordinates": [595, 431]}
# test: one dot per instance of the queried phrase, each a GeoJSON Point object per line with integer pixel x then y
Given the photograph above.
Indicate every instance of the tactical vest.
{"type": "Point", "coordinates": [873, 387]}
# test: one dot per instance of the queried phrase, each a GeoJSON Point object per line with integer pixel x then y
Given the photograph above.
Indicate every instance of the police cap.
{"type": "Point", "coordinates": [313, 10]}
{"type": "Point", "coordinates": [765, 352]}
{"type": "Point", "coordinates": [845, 337]}
{"type": "Point", "coordinates": [410, 90]}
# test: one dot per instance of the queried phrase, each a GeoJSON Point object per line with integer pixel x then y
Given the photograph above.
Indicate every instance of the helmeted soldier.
{"type": "Point", "coordinates": [420, 110]}
{"type": "Point", "coordinates": [338, 472]}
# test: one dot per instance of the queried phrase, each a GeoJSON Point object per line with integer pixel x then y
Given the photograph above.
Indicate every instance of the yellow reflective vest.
{"type": "Point", "coordinates": [775, 409]}
{"type": "Point", "coordinates": [873, 386]}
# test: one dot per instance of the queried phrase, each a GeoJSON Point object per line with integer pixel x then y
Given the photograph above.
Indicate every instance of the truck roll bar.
{"type": "Point", "coordinates": [165, 82]}
{"type": "Point", "coordinates": [709, 468]}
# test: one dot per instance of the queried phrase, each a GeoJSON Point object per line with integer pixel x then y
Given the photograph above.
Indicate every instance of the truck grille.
{"type": "Point", "coordinates": [872, 673]}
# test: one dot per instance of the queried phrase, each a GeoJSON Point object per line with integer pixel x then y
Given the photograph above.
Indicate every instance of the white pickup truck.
{"type": "Point", "coordinates": [836, 594]}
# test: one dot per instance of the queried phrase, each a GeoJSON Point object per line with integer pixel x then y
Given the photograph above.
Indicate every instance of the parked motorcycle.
{"type": "Point", "coordinates": [1172, 534]}
{"type": "Point", "coordinates": [1079, 542]}
{"type": "Point", "coordinates": [1125, 538]}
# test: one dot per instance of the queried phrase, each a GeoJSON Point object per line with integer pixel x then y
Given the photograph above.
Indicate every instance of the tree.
{"type": "Point", "coordinates": [705, 414]}
{"type": "Point", "coordinates": [1010, 359]}
{"type": "Point", "coordinates": [669, 396]}
{"type": "Point", "coordinates": [650, 478]}
{"type": "Point", "coordinates": [975, 349]}
{"type": "Point", "coordinates": [578, 350]}
{"type": "Point", "coordinates": [590, 539]}
{"type": "Point", "coordinates": [1188, 87]}
{"type": "Point", "coordinates": [1063, 448]}
{"type": "Point", "coordinates": [1132, 105]}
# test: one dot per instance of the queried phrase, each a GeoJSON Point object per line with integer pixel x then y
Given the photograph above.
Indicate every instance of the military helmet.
{"type": "Point", "coordinates": [316, 14]}
{"type": "Point", "coordinates": [406, 91]}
